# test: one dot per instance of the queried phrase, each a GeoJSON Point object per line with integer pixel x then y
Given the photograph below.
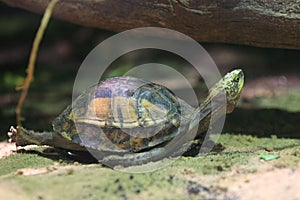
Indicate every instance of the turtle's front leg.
{"type": "Point", "coordinates": [23, 137]}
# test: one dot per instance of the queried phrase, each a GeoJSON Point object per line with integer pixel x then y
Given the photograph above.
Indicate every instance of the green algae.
{"type": "Point", "coordinates": [176, 181]}
{"type": "Point", "coordinates": [241, 142]}
{"type": "Point", "coordinates": [23, 160]}
{"type": "Point", "coordinates": [95, 182]}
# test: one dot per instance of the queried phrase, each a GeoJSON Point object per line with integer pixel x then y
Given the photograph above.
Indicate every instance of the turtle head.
{"type": "Point", "coordinates": [230, 86]}
{"type": "Point", "coordinates": [232, 83]}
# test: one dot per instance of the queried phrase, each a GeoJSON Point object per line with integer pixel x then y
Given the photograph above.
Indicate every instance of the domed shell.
{"type": "Point", "coordinates": [121, 114]}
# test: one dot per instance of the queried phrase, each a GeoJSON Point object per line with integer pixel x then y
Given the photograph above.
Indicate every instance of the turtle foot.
{"type": "Point", "coordinates": [12, 134]}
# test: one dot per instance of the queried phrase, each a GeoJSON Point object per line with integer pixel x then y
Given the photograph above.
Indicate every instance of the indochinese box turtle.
{"type": "Point", "coordinates": [129, 121]}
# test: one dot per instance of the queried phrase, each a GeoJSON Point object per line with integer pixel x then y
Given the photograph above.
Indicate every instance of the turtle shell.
{"type": "Point", "coordinates": [122, 114]}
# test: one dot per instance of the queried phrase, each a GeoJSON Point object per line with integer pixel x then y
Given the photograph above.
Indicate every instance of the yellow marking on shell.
{"type": "Point", "coordinates": [100, 107]}
{"type": "Point", "coordinates": [106, 111]}
{"type": "Point", "coordinates": [124, 110]}
{"type": "Point", "coordinates": [65, 126]}
{"type": "Point", "coordinates": [153, 113]}
{"type": "Point", "coordinates": [96, 122]}
{"type": "Point", "coordinates": [103, 112]}
{"type": "Point", "coordinates": [136, 143]}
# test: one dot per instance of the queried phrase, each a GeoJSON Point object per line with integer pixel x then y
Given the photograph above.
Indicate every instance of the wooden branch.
{"type": "Point", "coordinates": [257, 22]}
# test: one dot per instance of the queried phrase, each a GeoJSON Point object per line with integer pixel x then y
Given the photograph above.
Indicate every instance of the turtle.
{"type": "Point", "coordinates": [129, 121]}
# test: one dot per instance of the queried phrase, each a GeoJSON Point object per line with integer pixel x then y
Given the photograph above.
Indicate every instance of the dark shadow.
{"type": "Point", "coordinates": [263, 123]}
{"type": "Point", "coordinates": [63, 155]}
{"type": "Point", "coordinates": [85, 157]}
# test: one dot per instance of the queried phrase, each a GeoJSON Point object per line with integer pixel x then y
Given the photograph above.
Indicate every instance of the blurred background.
{"type": "Point", "coordinates": [270, 103]}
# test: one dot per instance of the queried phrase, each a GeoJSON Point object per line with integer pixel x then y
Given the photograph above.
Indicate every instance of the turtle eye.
{"type": "Point", "coordinates": [236, 79]}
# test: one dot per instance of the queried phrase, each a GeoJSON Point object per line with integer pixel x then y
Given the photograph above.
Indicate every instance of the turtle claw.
{"type": "Point", "coordinates": [12, 134]}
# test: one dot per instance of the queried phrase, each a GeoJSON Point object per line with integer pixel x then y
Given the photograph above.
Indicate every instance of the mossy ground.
{"type": "Point", "coordinates": [183, 179]}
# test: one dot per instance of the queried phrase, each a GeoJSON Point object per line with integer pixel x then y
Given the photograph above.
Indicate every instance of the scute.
{"type": "Point", "coordinates": [129, 113]}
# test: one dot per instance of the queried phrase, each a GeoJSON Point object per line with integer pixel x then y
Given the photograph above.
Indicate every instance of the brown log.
{"type": "Point", "coordinates": [263, 23]}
